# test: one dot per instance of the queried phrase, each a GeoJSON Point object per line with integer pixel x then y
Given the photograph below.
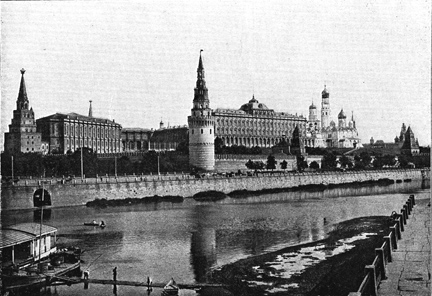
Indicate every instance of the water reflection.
{"type": "Point", "coordinates": [187, 240]}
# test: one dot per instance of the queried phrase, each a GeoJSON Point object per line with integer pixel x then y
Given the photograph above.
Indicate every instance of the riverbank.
{"type": "Point", "coordinates": [333, 266]}
{"type": "Point", "coordinates": [213, 195]}
{"type": "Point", "coordinates": [23, 194]}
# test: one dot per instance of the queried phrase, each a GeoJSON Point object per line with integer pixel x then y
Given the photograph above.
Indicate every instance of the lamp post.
{"type": "Point", "coordinates": [82, 165]}
{"type": "Point", "coordinates": [158, 164]}
{"type": "Point", "coordinates": [12, 168]}
{"type": "Point", "coordinates": [115, 165]}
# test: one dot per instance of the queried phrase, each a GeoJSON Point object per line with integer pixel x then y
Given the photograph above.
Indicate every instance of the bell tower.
{"type": "Point", "coordinates": [325, 108]}
{"type": "Point", "coordinates": [201, 126]}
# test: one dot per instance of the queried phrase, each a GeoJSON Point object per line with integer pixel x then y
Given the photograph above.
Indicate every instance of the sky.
{"type": "Point", "coordinates": [137, 60]}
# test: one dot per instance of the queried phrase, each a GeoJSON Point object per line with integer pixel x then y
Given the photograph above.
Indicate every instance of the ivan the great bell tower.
{"type": "Point", "coordinates": [201, 126]}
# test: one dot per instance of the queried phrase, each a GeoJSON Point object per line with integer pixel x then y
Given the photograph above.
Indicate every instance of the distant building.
{"type": "Point", "coordinates": [410, 145]}
{"type": "Point", "coordinates": [254, 124]}
{"type": "Point", "coordinates": [135, 139]}
{"type": "Point", "coordinates": [23, 135]}
{"type": "Point", "coordinates": [326, 133]}
{"type": "Point", "coordinates": [169, 139]}
{"type": "Point", "coordinates": [68, 132]}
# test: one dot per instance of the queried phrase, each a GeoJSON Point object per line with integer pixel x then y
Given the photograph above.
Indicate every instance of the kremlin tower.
{"type": "Point", "coordinates": [201, 126]}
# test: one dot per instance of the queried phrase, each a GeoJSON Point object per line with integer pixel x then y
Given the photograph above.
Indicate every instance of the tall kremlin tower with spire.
{"type": "Point", "coordinates": [201, 126]}
{"type": "Point", "coordinates": [22, 135]}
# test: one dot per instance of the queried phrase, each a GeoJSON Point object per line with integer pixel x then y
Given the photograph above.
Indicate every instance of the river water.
{"type": "Point", "coordinates": [186, 240]}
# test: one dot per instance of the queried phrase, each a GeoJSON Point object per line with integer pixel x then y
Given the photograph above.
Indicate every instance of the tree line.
{"type": "Point", "coordinates": [65, 165]}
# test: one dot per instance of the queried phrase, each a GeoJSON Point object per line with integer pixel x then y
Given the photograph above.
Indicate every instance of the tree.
{"type": "Point", "coordinates": [301, 163]}
{"type": "Point", "coordinates": [271, 162]}
{"type": "Point", "coordinates": [284, 164]}
{"type": "Point", "coordinates": [250, 164]}
{"type": "Point", "coordinates": [218, 144]}
{"type": "Point", "coordinates": [365, 158]}
{"type": "Point", "coordinates": [345, 162]}
{"type": "Point", "coordinates": [314, 165]}
{"type": "Point", "coordinates": [329, 160]}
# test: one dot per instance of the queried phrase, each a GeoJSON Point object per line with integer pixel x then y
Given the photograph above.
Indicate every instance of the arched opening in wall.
{"type": "Point", "coordinates": [41, 197]}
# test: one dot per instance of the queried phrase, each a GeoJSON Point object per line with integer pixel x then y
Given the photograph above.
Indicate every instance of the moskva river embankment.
{"type": "Point", "coordinates": [58, 192]}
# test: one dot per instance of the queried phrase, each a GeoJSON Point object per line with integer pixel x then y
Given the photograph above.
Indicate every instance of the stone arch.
{"type": "Point", "coordinates": [41, 197]}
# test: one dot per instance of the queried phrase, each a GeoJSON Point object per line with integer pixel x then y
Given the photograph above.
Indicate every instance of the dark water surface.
{"type": "Point", "coordinates": [186, 240]}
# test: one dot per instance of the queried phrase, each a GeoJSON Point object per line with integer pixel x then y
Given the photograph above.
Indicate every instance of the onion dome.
{"type": "Point", "coordinates": [342, 114]}
{"type": "Point", "coordinates": [325, 94]}
{"type": "Point", "coordinates": [312, 106]}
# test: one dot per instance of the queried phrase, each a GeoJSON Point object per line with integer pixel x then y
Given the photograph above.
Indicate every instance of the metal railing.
{"type": "Point", "coordinates": [376, 272]}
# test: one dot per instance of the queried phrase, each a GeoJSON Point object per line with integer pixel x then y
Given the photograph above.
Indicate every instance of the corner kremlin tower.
{"type": "Point", "coordinates": [201, 126]}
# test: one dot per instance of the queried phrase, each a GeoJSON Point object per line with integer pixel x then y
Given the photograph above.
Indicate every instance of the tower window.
{"type": "Point", "coordinates": [202, 131]}
{"type": "Point", "coordinates": [192, 132]}
{"type": "Point", "coordinates": [210, 131]}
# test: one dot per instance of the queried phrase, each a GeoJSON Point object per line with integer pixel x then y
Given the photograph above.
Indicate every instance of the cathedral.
{"type": "Point", "coordinates": [325, 133]}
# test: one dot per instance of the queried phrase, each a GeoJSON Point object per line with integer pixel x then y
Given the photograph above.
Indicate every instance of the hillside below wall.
{"type": "Point", "coordinates": [79, 192]}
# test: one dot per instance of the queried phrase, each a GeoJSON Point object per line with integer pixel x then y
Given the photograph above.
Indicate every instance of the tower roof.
{"type": "Point", "coordinates": [22, 95]}
{"type": "Point", "coordinates": [341, 114]}
{"type": "Point", "coordinates": [325, 93]}
{"type": "Point", "coordinates": [200, 63]}
{"type": "Point", "coordinates": [312, 106]}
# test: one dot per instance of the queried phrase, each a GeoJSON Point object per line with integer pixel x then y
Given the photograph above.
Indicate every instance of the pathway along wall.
{"type": "Point", "coordinates": [79, 192]}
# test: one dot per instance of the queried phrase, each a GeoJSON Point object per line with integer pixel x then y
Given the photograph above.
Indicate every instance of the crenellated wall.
{"type": "Point", "coordinates": [79, 192]}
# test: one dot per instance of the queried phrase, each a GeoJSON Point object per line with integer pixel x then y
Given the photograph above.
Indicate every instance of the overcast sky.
{"type": "Point", "coordinates": [137, 60]}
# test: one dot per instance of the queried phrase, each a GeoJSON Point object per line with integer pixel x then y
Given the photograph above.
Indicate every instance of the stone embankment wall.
{"type": "Point", "coordinates": [79, 192]}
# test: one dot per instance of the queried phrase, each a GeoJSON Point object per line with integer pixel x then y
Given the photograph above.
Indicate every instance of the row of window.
{"type": "Point", "coordinates": [254, 123]}
{"type": "Point", "coordinates": [91, 131]}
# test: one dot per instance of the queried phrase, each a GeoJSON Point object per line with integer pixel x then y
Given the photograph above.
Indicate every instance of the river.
{"type": "Point", "coordinates": [186, 240]}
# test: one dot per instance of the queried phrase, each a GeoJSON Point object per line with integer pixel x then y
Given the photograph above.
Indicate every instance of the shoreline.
{"type": "Point", "coordinates": [213, 195]}
{"type": "Point", "coordinates": [335, 275]}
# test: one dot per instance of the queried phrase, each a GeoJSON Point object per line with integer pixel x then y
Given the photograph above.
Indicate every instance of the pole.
{"type": "Point", "coordinates": [82, 165]}
{"type": "Point", "coordinates": [40, 229]}
{"type": "Point", "coordinates": [115, 166]}
{"type": "Point", "coordinates": [12, 168]}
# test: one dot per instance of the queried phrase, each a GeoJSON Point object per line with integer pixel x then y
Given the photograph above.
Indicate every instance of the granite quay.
{"type": "Point", "coordinates": [73, 192]}
{"type": "Point", "coordinates": [402, 263]}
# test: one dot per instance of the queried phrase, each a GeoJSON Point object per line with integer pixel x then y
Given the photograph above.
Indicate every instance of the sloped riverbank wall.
{"type": "Point", "coordinates": [78, 192]}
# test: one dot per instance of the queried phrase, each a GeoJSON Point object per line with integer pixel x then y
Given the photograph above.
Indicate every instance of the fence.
{"type": "Point", "coordinates": [376, 271]}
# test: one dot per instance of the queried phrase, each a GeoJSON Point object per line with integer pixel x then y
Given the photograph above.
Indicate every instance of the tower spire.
{"type": "Point", "coordinates": [90, 110]}
{"type": "Point", "coordinates": [22, 100]}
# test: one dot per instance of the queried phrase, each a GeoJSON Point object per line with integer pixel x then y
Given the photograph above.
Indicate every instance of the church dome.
{"type": "Point", "coordinates": [342, 114]}
{"type": "Point", "coordinates": [325, 93]}
{"type": "Point", "coordinates": [312, 106]}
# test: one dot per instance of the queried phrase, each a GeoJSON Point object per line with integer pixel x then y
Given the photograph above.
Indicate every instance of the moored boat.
{"type": "Point", "coordinates": [31, 258]}
{"type": "Point", "coordinates": [170, 288]}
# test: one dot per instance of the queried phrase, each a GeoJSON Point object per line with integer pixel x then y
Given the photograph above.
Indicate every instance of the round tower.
{"type": "Point", "coordinates": [201, 126]}
{"type": "Point", "coordinates": [325, 108]}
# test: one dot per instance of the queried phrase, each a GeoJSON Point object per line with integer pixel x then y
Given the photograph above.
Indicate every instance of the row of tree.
{"type": "Point", "coordinates": [37, 165]}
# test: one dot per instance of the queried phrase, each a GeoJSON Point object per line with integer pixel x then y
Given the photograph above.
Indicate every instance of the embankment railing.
{"type": "Point", "coordinates": [376, 272]}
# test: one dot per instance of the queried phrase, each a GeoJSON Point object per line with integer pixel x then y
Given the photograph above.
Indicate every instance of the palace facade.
{"type": "Point", "coordinates": [68, 132]}
{"type": "Point", "coordinates": [254, 124]}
